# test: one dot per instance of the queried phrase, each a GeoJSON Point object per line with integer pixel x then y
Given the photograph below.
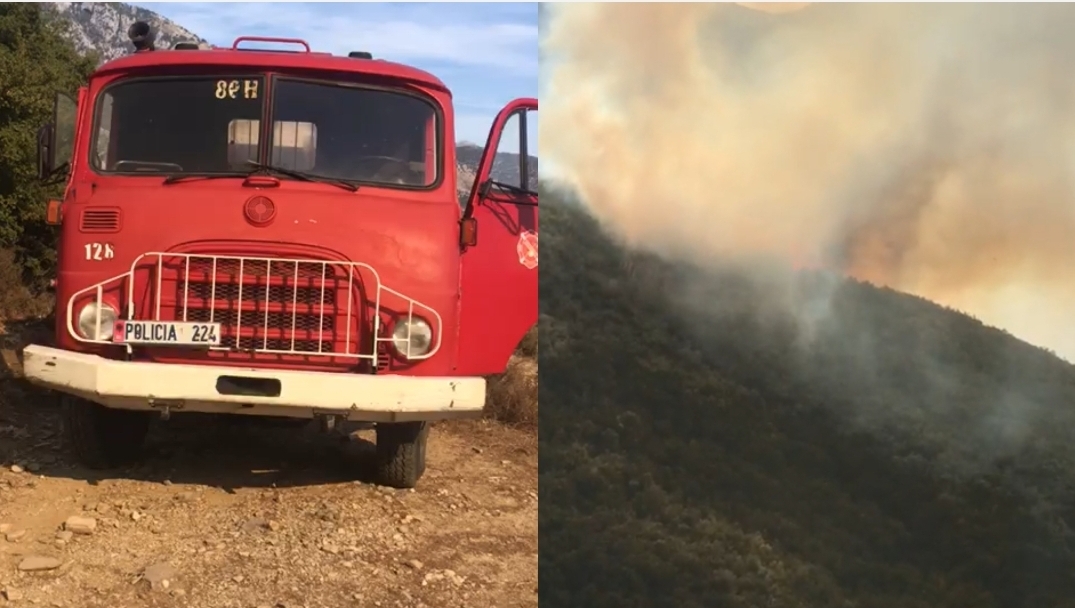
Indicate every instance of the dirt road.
{"type": "Point", "coordinates": [228, 515]}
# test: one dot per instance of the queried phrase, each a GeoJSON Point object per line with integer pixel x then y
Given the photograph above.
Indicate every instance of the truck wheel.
{"type": "Point", "coordinates": [401, 453]}
{"type": "Point", "coordinates": [101, 437]}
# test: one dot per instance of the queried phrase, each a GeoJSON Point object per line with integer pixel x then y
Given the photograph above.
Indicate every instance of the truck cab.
{"type": "Point", "coordinates": [278, 233]}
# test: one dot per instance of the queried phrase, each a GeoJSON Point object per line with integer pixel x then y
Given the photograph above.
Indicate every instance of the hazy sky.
{"type": "Point", "coordinates": [929, 147]}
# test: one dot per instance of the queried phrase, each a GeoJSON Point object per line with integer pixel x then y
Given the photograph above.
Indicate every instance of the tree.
{"type": "Point", "coordinates": [37, 60]}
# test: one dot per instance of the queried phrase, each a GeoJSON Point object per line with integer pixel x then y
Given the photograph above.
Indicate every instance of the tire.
{"type": "Point", "coordinates": [401, 453]}
{"type": "Point", "coordinates": [101, 437]}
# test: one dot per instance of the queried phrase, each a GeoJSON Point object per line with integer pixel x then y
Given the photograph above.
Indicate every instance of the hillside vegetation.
{"type": "Point", "coordinates": [36, 62]}
{"type": "Point", "coordinates": [703, 447]}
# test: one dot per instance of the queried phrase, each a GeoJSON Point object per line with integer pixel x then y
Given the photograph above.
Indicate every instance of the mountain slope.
{"type": "Point", "coordinates": [712, 454]}
{"type": "Point", "coordinates": [101, 27]}
{"type": "Point", "coordinates": [505, 166]}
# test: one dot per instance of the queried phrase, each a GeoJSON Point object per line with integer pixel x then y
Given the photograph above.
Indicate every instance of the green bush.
{"type": "Point", "coordinates": [36, 62]}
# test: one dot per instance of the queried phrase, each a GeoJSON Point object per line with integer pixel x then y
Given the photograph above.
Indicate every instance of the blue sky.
{"type": "Point", "coordinates": [486, 53]}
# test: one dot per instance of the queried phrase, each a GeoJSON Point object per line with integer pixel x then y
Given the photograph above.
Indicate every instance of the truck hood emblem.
{"type": "Point", "coordinates": [259, 211]}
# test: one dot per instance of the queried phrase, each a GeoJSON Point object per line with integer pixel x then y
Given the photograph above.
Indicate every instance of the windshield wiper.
{"type": "Point", "coordinates": [261, 168]}
{"type": "Point", "coordinates": [300, 175]}
{"type": "Point", "coordinates": [183, 177]}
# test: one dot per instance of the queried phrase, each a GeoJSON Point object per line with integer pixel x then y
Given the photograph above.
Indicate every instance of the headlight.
{"type": "Point", "coordinates": [90, 327]}
{"type": "Point", "coordinates": [412, 338]}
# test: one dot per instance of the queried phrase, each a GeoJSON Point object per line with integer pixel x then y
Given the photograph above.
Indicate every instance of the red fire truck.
{"type": "Point", "coordinates": [278, 233]}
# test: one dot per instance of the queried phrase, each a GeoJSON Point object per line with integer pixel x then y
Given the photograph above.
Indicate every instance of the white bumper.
{"type": "Point", "coordinates": [154, 386]}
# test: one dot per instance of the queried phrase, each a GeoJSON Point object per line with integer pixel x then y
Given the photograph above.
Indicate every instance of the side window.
{"type": "Point", "coordinates": [104, 130]}
{"type": "Point", "coordinates": [516, 162]}
{"type": "Point", "coordinates": [294, 144]}
{"type": "Point", "coordinates": [66, 118]}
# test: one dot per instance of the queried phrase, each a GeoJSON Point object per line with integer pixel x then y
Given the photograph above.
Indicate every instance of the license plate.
{"type": "Point", "coordinates": [176, 333]}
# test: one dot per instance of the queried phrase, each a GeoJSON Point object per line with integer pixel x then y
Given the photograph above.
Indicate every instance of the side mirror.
{"type": "Point", "coordinates": [468, 232]}
{"type": "Point", "coordinates": [45, 152]}
{"type": "Point", "coordinates": [54, 213]}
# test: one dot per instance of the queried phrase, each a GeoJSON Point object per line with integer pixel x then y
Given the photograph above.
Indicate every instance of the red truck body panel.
{"type": "Point", "coordinates": [484, 295]}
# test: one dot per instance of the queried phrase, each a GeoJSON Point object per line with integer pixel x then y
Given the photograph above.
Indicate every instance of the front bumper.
{"type": "Point", "coordinates": [136, 385]}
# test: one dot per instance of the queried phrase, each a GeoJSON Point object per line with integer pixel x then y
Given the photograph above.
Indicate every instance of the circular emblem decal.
{"type": "Point", "coordinates": [527, 248]}
{"type": "Point", "coordinates": [259, 210]}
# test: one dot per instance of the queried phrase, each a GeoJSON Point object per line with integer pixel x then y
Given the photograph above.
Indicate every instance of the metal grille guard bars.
{"type": "Point", "coordinates": [328, 273]}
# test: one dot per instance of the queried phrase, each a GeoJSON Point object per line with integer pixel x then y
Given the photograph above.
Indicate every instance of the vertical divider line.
{"type": "Point", "coordinates": [186, 287]}
{"type": "Point", "coordinates": [294, 305]}
{"type": "Point", "coordinates": [377, 339]}
{"type": "Point", "coordinates": [350, 287]}
{"type": "Point", "coordinates": [410, 324]}
{"type": "Point", "coordinates": [212, 294]}
{"type": "Point", "coordinates": [160, 279]}
{"type": "Point", "coordinates": [321, 310]}
{"type": "Point", "coordinates": [268, 289]}
{"type": "Point", "coordinates": [239, 311]}
{"type": "Point", "coordinates": [100, 301]}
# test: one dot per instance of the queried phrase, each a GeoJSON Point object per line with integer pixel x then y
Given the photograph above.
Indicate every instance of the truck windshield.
{"type": "Point", "coordinates": [208, 126]}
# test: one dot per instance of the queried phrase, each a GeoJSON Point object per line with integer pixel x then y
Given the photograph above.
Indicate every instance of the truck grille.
{"type": "Point", "coordinates": [270, 306]}
{"type": "Point", "coordinates": [283, 306]}
{"type": "Point", "coordinates": [271, 310]}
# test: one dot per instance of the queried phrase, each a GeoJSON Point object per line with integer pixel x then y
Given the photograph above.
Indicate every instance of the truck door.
{"type": "Point", "coordinates": [499, 241]}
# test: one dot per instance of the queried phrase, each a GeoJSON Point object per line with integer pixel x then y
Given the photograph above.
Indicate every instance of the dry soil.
{"type": "Point", "coordinates": [225, 514]}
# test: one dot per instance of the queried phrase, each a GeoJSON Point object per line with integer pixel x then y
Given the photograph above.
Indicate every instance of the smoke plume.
{"type": "Point", "coordinates": [928, 147]}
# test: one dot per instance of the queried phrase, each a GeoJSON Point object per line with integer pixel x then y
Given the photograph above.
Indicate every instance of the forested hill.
{"type": "Point", "coordinates": [700, 451]}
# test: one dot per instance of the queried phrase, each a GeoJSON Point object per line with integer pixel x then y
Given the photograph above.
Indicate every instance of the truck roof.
{"type": "Point", "coordinates": [268, 60]}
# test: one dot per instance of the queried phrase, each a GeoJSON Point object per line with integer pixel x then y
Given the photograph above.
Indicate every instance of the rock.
{"type": "Point", "coordinates": [414, 564]}
{"type": "Point", "coordinates": [135, 516]}
{"type": "Point", "coordinates": [255, 524]}
{"type": "Point", "coordinates": [65, 535]}
{"type": "Point", "coordinates": [14, 535]}
{"type": "Point", "coordinates": [5, 528]}
{"type": "Point", "coordinates": [38, 563]}
{"type": "Point", "coordinates": [12, 594]}
{"type": "Point", "coordinates": [159, 576]}
{"type": "Point", "coordinates": [80, 525]}
{"type": "Point", "coordinates": [16, 469]}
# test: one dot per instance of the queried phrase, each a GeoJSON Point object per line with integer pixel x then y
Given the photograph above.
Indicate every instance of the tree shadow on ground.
{"type": "Point", "coordinates": [227, 452]}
